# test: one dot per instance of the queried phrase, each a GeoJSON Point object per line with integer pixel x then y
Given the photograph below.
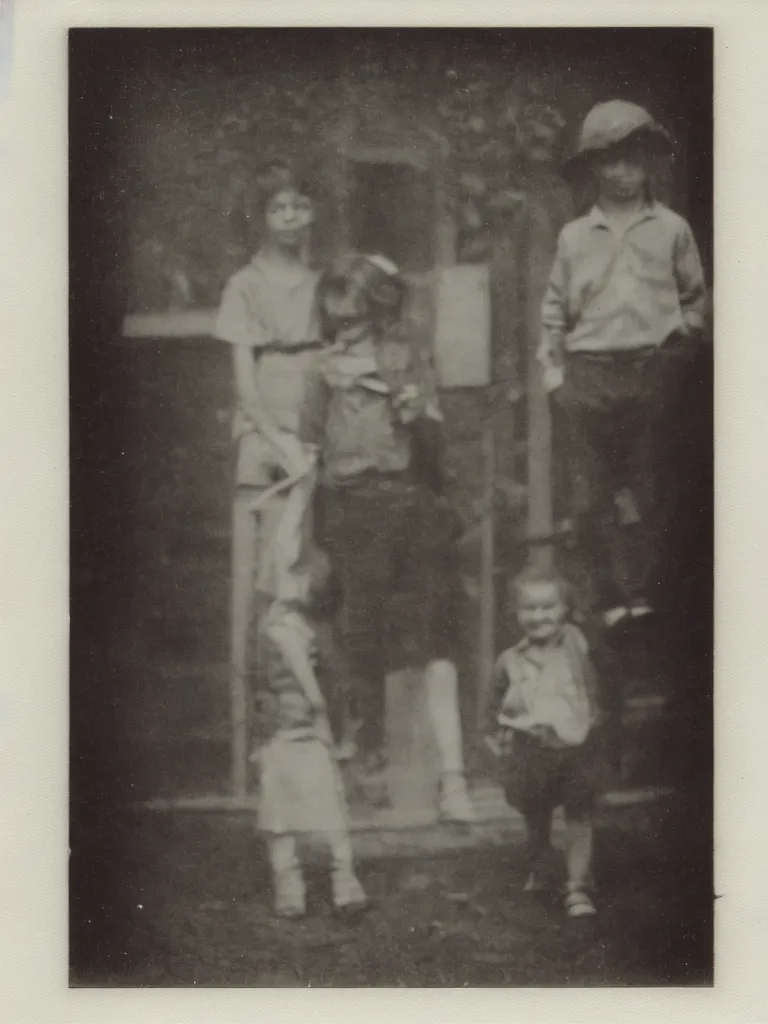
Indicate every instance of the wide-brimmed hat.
{"type": "Point", "coordinates": [612, 123]}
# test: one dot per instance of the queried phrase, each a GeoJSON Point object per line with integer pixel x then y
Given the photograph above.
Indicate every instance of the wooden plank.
{"type": "Point", "coordinates": [540, 250]}
{"type": "Point", "coordinates": [549, 207]}
{"type": "Point", "coordinates": [487, 638]}
{"type": "Point", "coordinates": [414, 770]}
{"type": "Point", "coordinates": [341, 137]}
{"type": "Point", "coordinates": [463, 326]}
{"type": "Point", "coordinates": [181, 324]}
{"type": "Point", "coordinates": [244, 560]}
{"type": "Point", "coordinates": [488, 801]}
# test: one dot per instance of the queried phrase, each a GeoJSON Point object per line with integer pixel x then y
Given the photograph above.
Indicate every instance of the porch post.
{"type": "Point", "coordinates": [245, 529]}
{"type": "Point", "coordinates": [550, 206]}
{"type": "Point", "coordinates": [541, 247]}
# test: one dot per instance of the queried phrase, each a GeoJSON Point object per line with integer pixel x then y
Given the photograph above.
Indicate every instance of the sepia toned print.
{"type": "Point", "coordinates": [391, 401]}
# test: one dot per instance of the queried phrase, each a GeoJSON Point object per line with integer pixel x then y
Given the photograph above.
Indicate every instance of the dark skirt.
{"type": "Point", "coordinates": [390, 543]}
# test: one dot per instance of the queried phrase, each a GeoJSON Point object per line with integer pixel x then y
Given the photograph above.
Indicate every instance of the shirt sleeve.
{"type": "Point", "coordinates": [691, 285]}
{"type": "Point", "coordinates": [236, 322]}
{"type": "Point", "coordinates": [582, 644]}
{"type": "Point", "coordinates": [554, 309]}
{"type": "Point", "coordinates": [587, 650]}
{"type": "Point", "coordinates": [314, 406]}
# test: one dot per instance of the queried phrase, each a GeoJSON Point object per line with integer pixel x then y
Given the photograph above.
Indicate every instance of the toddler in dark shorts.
{"type": "Point", "coordinates": [548, 732]}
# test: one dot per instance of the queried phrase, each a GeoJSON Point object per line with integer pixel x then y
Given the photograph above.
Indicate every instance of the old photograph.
{"type": "Point", "coordinates": [391, 471]}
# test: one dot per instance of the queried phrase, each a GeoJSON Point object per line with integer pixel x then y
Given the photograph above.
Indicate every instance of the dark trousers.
{"type": "Point", "coordinates": [614, 414]}
{"type": "Point", "coordinates": [382, 538]}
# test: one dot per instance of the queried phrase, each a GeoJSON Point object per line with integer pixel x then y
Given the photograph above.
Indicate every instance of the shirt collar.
{"type": "Point", "coordinates": [287, 276]}
{"type": "Point", "coordinates": [597, 219]}
{"type": "Point", "coordinates": [526, 648]}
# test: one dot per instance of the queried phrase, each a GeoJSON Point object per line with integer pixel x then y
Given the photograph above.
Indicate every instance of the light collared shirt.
{"type": "Point", "coordinates": [548, 691]}
{"type": "Point", "coordinates": [614, 290]}
{"type": "Point", "coordinates": [269, 307]}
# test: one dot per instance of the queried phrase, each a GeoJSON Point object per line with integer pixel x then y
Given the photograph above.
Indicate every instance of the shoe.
{"type": "Point", "coordinates": [345, 751]}
{"type": "Point", "coordinates": [347, 747]}
{"type": "Point", "coordinates": [640, 608]}
{"type": "Point", "coordinates": [455, 804]}
{"type": "Point", "coordinates": [348, 894]}
{"type": "Point", "coordinates": [533, 884]}
{"type": "Point", "coordinates": [290, 896]}
{"type": "Point", "coordinates": [578, 904]}
{"type": "Point", "coordinates": [614, 616]}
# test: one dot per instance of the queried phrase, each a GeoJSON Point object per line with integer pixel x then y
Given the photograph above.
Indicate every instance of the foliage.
{"type": "Point", "coordinates": [188, 157]}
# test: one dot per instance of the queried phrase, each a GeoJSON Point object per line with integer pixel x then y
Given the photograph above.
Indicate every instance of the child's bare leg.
{"type": "Point", "coordinates": [287, 876]}
{"type": "Point", "coordinates": [579, 834]}
{"type": "Point", "coordinates": [348, 893]}
{"type": "Point", "coordinates": [441, 685]}
{"type": "Point", "coordinates": [269, 521]}
{"type": "Point", "coordinates": [579, 843]}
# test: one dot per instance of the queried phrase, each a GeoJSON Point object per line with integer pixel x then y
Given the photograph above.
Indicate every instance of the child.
{"type": "Point", "coordinates": [625, 298]}
{"type": "Point", "coordinates": [268, 315]}
{"type": "Point", "coordinates": [301, 788]}
{"type": "Point", "coordinates": [372, 413]}
{"type": "Point", "coordinates": [545, 728]}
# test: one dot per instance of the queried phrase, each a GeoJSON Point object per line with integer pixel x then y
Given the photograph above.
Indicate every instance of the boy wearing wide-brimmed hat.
{"type": "Point", "coordinates": [625, 299]}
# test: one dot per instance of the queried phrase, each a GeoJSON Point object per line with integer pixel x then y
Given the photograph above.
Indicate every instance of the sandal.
{"type": "Point", "coordinates": [615, 616]}
{"type": "Point", "coordinates": [640, 608]}
{"type": "Point", "coordinates": [289, 895]}
{"type": "Point", "coordinates": [455, 803]}
{"type": "Point", "coordinates": [349, 897]}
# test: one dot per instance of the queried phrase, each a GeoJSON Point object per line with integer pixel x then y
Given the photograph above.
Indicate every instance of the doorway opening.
{"type": "Point", "coordinates": [392, 212]}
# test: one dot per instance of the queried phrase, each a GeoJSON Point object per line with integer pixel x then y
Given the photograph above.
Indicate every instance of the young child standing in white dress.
{"type": "Point", "coordinates": [302, 792]}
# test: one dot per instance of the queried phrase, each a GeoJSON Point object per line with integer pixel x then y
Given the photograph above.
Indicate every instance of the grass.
{"type": "Point", "coordinates": [197, 904]}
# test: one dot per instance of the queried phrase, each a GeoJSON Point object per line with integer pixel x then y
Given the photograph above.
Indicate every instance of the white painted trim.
{"type": "Point", "coordinates": [182, 324]}
{"type": "Point", "coordinates": [488, 801]}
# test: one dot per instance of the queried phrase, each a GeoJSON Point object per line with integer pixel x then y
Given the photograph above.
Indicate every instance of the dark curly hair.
{"type": "Point", "coordinates": [269, 179]}
{"type": "Point", "coordinates": [357, 287]}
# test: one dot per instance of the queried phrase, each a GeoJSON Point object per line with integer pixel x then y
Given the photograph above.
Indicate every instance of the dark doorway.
{"type": "Point", "coordinates": [391, 212]}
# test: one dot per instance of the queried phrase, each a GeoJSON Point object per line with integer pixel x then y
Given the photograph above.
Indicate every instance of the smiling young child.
{"type": "Point", "coordinates": [626, 302]}
{"type": "Point", "coordinates": [546, 730]}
